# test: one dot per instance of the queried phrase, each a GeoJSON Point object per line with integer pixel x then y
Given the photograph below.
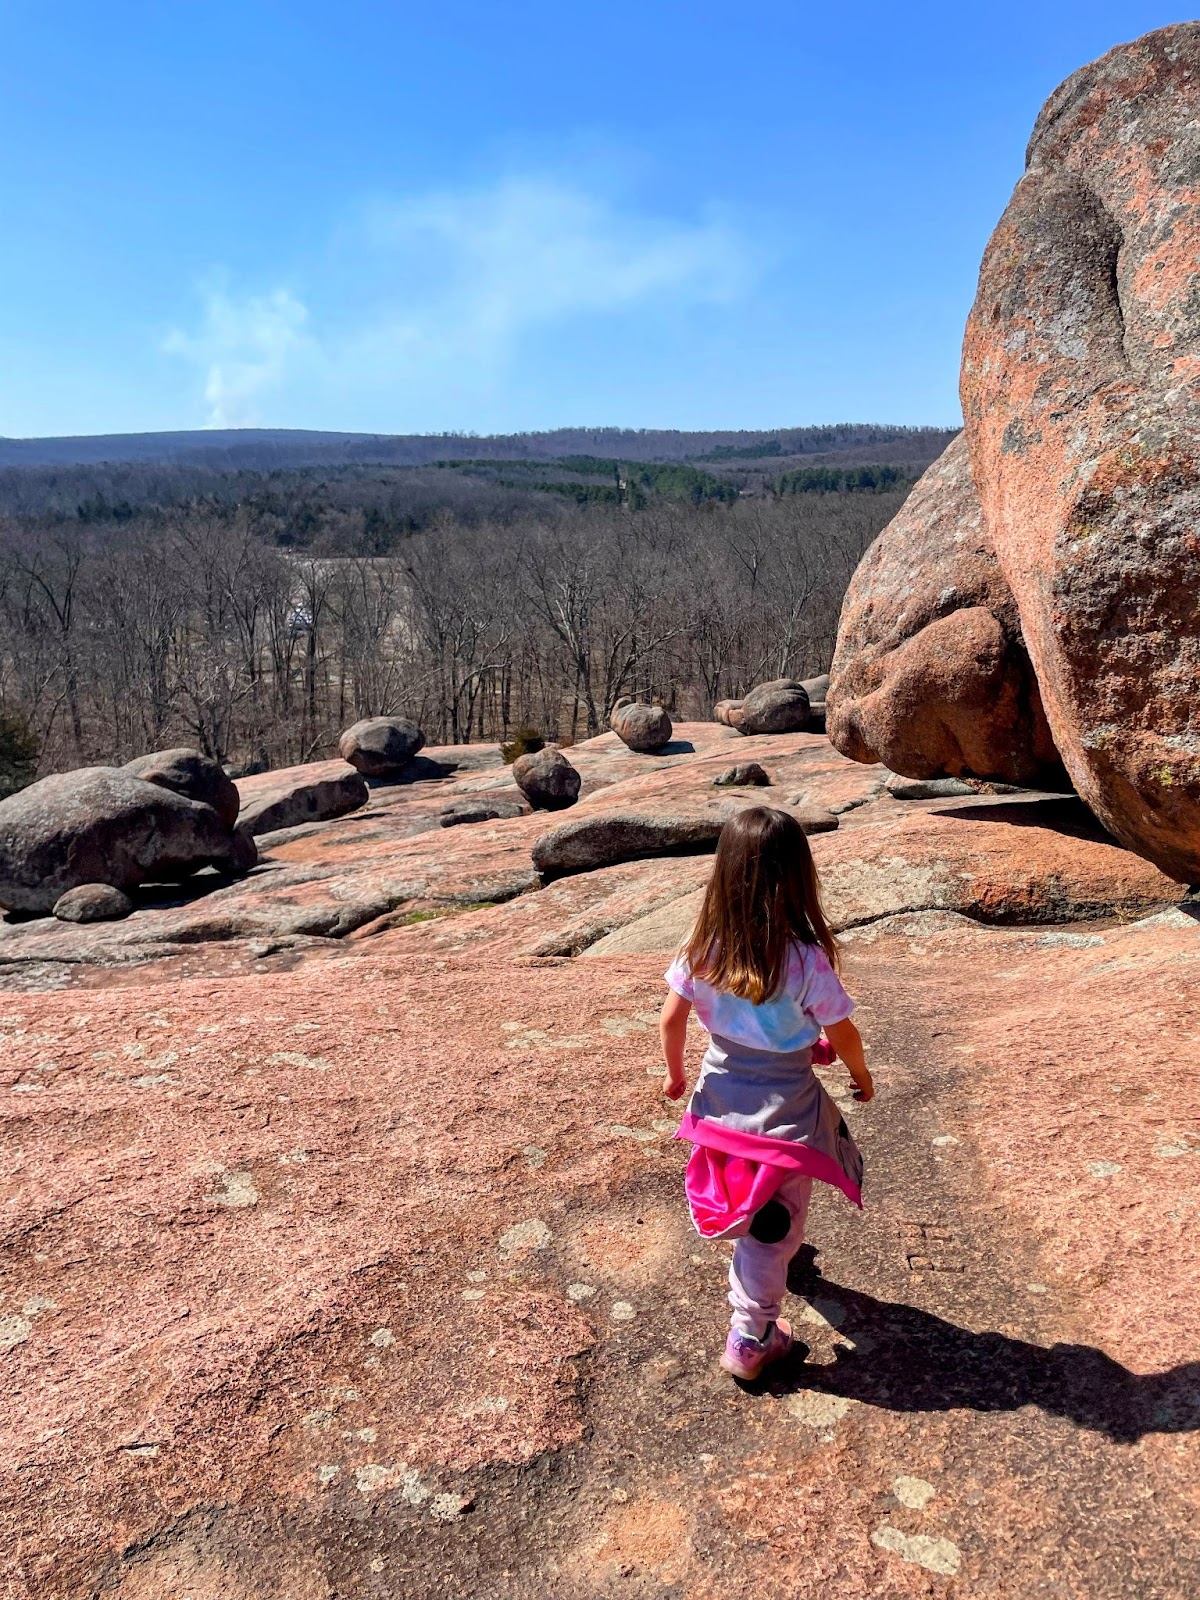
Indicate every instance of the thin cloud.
{"type": "Point", "coordinates": [244, 349]}
{"type": "Point", "coordinates": [446, 286]}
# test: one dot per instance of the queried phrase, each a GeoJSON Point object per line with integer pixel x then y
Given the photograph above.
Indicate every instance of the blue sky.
{"type": "Point", "coordinates": [476, 216]}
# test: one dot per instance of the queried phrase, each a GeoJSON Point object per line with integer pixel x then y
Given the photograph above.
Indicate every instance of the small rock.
{"type": "Point", "coordinates": [381, 747]}
{"type": "Point", "coordinates": [243, 856]}
{"type": "Point", "coordinates": [901, 788]}
{"type": "Point", "coordinates": [92, 902]}
{"type": "Point", "coordinates": [642, 728]}
{"type": "Point", "coordinates": [477, 811]}
{"type": "Point", "coordinates": [747, 775]}
{"type": "Point", "coordinates": [547, 779]}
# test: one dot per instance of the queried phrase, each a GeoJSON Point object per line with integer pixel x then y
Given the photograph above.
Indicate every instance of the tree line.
{"type": "Point", "coordinates": [199, 624]}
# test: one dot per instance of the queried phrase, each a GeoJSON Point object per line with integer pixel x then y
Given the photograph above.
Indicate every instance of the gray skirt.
{"type": "Point", "coordinates": [772, 1096]}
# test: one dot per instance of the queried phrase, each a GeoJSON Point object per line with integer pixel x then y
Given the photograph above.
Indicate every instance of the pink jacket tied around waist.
{"type": "Point", "coordinates": [732, 1174]}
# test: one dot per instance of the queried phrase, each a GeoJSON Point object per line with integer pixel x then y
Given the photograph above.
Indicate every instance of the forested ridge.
{"type": "Point", "coordinates": [255, 613]}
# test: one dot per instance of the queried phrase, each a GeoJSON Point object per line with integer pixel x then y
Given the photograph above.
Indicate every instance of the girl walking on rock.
{"type": "Point", "coordinates": [760, 969]}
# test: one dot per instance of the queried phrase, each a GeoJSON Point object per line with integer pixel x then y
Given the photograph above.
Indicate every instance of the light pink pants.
{"type": "Point", "coordinates": [758, 1272]}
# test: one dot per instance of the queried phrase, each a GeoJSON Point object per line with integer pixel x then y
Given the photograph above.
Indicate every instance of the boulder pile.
{"type": "Point", "coordinates": [108, 826]}
{"type": "Point", "coordinates": [190, 773]}
{"type": "Point", "coordinates": [780, 706]}
{"type": "Point", "coordinates": [1038, 597]}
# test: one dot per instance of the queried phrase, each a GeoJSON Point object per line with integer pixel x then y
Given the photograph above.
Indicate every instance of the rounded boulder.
{"type": "Point", "coordinates": [780, 706]}
{"type": "Point", "coordinates": [93, 902]}
{"type": "Point", "coordinates": [645, 729]}
{"type": "Point", "coordinates": [380, 747]}
{"type": "Point", "coordinates": [547, 780]}
{"type": "Point", "coordinates": [192, 774]}
{"type": "Point", "coordinates": [746, 775]}
{"type": "Point", "coordinates": [931, 675]}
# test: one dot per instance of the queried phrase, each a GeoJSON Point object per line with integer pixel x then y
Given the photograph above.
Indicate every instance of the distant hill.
{"type": "Point", "coordinates": [269, 449]}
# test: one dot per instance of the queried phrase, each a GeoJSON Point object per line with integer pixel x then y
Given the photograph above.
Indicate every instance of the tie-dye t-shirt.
{"type": "Point", "coordinates": [812, 998]}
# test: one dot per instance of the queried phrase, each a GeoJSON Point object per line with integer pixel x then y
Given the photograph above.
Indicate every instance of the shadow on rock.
{"type": "Point", "coordinates": [1065, 814]}
{"type": "Point", "coordinates": [910, 1360]}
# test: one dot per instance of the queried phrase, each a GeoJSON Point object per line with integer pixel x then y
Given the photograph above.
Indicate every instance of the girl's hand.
{"type": "Point", "coordinates": [864, 1087]}
{"type": "Point", "coordinates": [673, 1087]}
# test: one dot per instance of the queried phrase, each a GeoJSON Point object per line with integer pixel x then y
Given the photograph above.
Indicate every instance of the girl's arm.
{"type": "Point", "coordinates": [847, 1041]}
{"type": "Point", "coordinates": [672, 1026]}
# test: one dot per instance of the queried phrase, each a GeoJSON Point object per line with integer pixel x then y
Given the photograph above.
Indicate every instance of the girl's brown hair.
{"type": "Point", "coordinates": [763, 897]}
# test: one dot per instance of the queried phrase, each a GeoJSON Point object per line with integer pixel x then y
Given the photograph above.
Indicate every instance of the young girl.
{"type": "Point", "coordinates": [761, 970]}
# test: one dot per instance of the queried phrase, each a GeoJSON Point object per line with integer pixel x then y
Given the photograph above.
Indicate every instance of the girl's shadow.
{"type": "Point", "coordinates": [911, 1360]}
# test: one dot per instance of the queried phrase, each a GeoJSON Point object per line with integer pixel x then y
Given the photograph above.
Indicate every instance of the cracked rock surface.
{"type": "Point", "coordinates": [355, 1262]}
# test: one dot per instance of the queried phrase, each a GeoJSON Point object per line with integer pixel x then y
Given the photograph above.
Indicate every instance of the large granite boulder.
{"type": "Point", "coordinates": [381, 747]}
{"type": "Point", "coordinates": [292, 796]}
{"type": "Point", "coordinates": [930, 675]}
{"type": "Point", "coordinates": [586, 843]}
{"type": "Point", "coordinates": [103, 825]}
{"type": "Point", "coordinates": [780, 706]}
{"type": "Point", "coordinates": [190, 773]}
{"type": "Point", "coordinates": [1081, 394]}
{"type": "Point", "coordinates": [1038, 598]}
{"type": "Point", "coordinates": [547, 779]}
{"type": "Point", "coordinates": [603, 840]}
{"type": "Point", "coordinates": [643, 728]}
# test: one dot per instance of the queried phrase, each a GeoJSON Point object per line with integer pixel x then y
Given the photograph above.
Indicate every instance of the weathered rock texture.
{"type": "Point", "coordinates": [780, 706]}
{"type": "Point", "coordinates": [930, 675]}
{"type": "Point", "coordinates": [93, 902]}
{"type": "Point", "coordinates": [381, 747]}
{"type": "Point", "coordinates": [817, 689]}
{"type": "Point", "coordinates": [273, 1141]}
{"type": "Point", "coordinates": [229, 1247]}
{"type": "Point", "coordinates": [102, 825]}
{"type": "Point", "coordinates": [295, 795]}
{"type": "Point", "coordinates": [190, 773]}
{"type": "Point", "coordinates": [547, 779]}
{"type": "Point", "coordinates": [1081, 394]}
{"type": "Point", "coordinates": [747, 774]}
{"type": "Point", "coordinates": [927, 788]}
{"type": "Point", "coordinates": [642, 728]}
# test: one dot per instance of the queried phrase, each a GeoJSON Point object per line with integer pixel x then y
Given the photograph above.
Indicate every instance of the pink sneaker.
{"type": "Point", "coordinates": [746, 1357]}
